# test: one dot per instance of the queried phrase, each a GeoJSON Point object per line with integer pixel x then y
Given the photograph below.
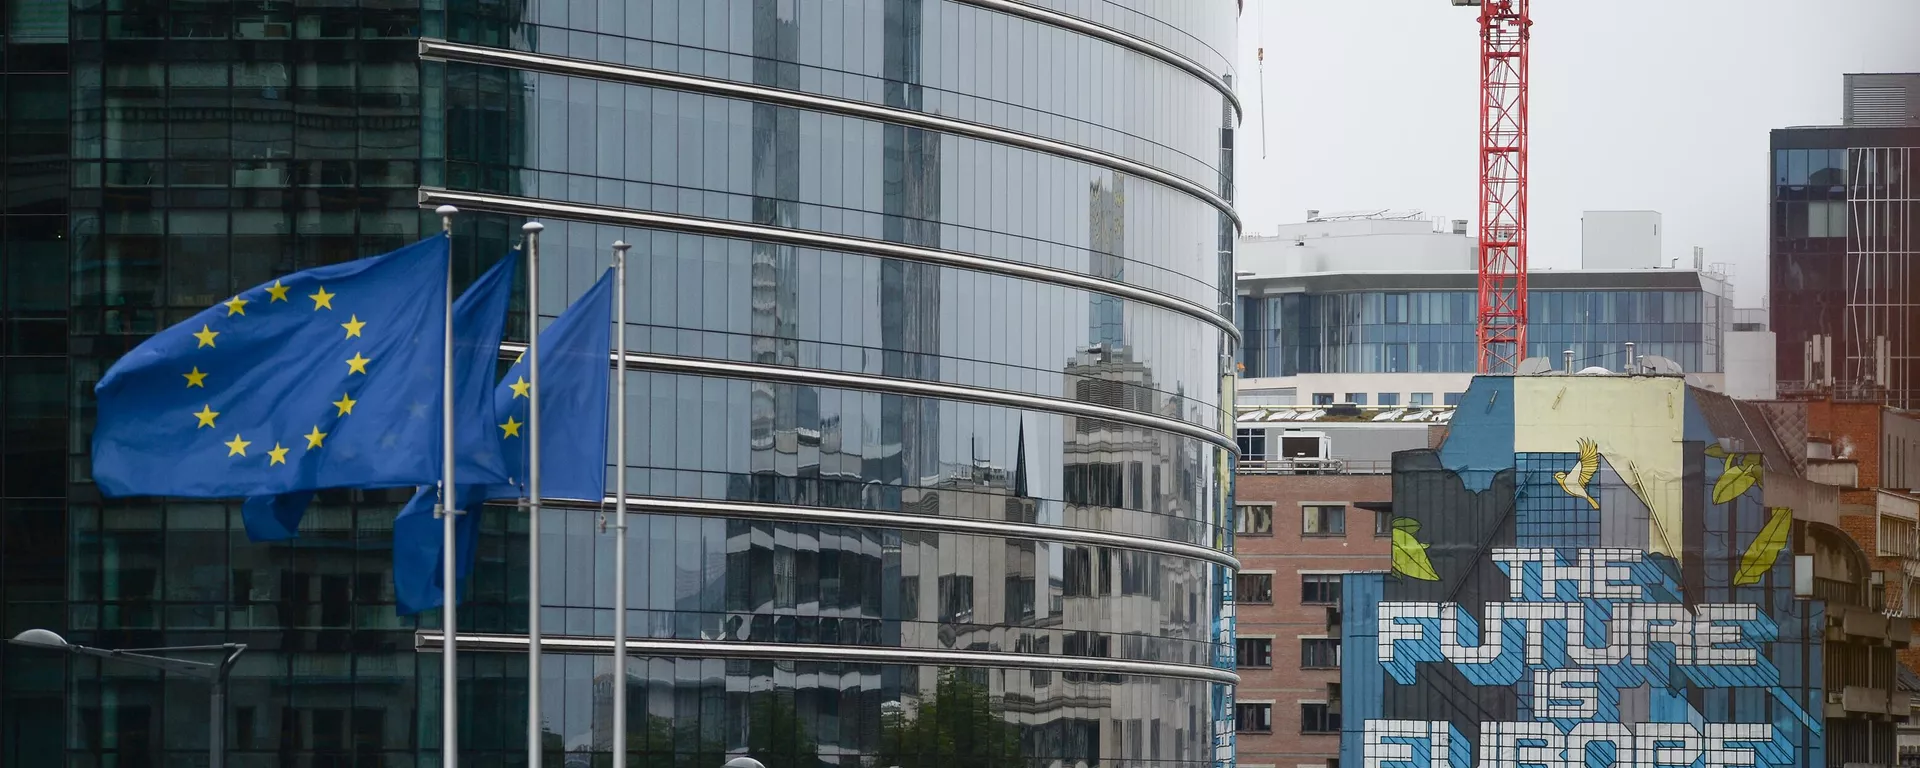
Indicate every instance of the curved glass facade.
{"type": "Point", "coordinates": [212, 147]}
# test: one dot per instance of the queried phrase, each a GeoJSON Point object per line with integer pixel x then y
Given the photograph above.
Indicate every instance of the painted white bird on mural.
{"type": "Point", "coordinates": [1576, 484]}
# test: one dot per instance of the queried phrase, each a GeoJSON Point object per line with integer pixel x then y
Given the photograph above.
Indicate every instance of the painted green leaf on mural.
{"type": "Point", "coordinates": [1766, 548]}
{"type": "Point", "coordinates": [1736, 478]}
{"type": "Point", "coordinates": [1409, 554]}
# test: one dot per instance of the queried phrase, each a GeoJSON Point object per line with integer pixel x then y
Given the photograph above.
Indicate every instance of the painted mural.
{"type": "Point", "coordinates": [1584, 575]}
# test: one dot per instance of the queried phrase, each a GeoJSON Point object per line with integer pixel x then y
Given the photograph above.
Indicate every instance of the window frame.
{"type": "Point", "coordinates": [1336, 580]}
{"type": "Point", "coordinates": [1237, 719]}
{"type": "Point", "coordinates": [1307, 508]}
{"type": "Point", "coordinates": [1335, 644]}
{"type": "Point", "coordinates": [1382, 524]}
{"type": "Point", "coordinates": [1237, 591]}
{"type": "Point", "coordinates": [1240, 658]}
{"type": "Point", "coordinates": [1238, 517]}
{"type": "Point", "coordinates": [1327, 718]}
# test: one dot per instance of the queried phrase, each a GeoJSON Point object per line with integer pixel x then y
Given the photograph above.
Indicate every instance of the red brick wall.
{"type": "Point", "coordinates": [1860, 422]}
{"type": "Point", "coordinates": [1287, 553]}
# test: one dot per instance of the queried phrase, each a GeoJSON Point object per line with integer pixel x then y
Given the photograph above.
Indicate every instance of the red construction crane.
{"type": "Point", "coordinates": [1502, 323]}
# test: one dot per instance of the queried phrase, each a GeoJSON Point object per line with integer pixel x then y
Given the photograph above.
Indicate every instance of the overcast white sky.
{"type": "Point", "coordinates": [1635, 105]}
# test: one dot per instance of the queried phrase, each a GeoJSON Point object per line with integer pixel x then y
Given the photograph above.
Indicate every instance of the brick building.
{"type": "Point", "coordinates": [1300, 523]}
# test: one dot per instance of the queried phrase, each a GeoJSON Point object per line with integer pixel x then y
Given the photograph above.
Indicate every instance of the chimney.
{"type": "Point", "coordinates": [1459, 226]}
{"type": "Point", "coordinates": [1569, 355]}
{"type": "Point", "coordinates": [1630, 366]}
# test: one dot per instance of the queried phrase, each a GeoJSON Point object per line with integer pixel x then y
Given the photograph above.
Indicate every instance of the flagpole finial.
{"type": "Point", "coordinates": [621, 245]}
{"type": "Point", "coordinates": [446, 210]}
{"type": "Point", "coordinates": [446, 221]}
{"type": "Point", "coordinates": [532, 227]}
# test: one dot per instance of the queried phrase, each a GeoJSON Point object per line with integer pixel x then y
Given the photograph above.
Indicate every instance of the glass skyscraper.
{"type": "Point", "coordinates": [928, 371]}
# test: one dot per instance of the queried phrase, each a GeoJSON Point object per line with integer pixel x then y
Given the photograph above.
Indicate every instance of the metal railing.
{"type": "Point", "coordinates": [1315, 467]}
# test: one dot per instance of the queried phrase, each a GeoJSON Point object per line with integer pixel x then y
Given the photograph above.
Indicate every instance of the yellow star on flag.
{"type": "Point", "coordinates": [195, 378]}
{"type": "Point", "coordinates": [235, 306]}
{"type": "Point", "coordinates": [314, 437]}
{"type": "Point", "coordinates": [206, 415]}
{"type": "Point", "coordinates": [276, 292]}
{"type": "Point", "coordinates": [511, 428]}
{"type": "Point", "coordinates": [237, 446]}
{"type": "Point", "coordinates": [520, 387]}
{"type": "Point", "coordinates": [345, 404]}
{"type": "Point", "coordinates": [205, 336]}
{"type": "Point", "coordinates": [358, 364]}
{"type": "Point", "coordinates": [353, 327]}
{"type": "Point", "coordinates": [321, 299]}
{"type": "Point", "coordinates": [276, 456]}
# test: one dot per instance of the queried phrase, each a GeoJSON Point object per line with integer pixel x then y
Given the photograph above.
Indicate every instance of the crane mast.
{"type": "Point", "coordinates": [1505, 27]}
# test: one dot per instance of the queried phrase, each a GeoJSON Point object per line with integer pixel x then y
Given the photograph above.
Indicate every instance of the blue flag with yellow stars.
{"type": "Point", "coordinates": [574, 379]}
{"type": "Point", "coordinates": [479, 321]}
{"type": "Point", "coordinates": [327, 378]}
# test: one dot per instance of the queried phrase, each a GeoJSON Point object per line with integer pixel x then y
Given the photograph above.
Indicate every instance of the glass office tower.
{"type": "Point", "coordinates": [927, 372]}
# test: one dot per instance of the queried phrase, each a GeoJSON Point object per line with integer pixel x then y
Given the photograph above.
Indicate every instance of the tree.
{"type": "Point", "coordinates": [957, 728]}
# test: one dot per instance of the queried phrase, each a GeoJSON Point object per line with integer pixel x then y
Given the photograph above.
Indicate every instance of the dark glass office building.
{"type": "Point", "coordinates": [1844, 236]}
{"type": "Point", "coordinates": [928, 370]}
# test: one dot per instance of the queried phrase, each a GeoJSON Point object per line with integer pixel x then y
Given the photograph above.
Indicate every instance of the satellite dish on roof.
{"type": "Point", "coordinates": [1534, 366]}
{"type": "Point", "coordinates": [1659, 364]}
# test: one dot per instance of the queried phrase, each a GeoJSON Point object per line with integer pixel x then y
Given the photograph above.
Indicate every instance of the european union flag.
{"type": "Point", "coordinates": [573, 444]}
{"type": "Point", "coordinates": [479, 320]}
{"type": "Point", "coordinates": [327, 378]}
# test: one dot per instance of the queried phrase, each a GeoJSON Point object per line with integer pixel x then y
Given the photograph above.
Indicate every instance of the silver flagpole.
{"type": "Point", "coordinates": [620, 505]}
{"type": "Point", "coordinates": [449, 670]}
{"type": "Point", "coordinates": [532, 230]}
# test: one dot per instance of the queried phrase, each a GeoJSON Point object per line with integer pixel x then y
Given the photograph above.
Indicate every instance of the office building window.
{"type": "Point", "coordinates": [1257, 588]}
{"type": "Point", "coordinates": [1382, 522]}
{"type": "Point", "coordinates": [1453, 398]}
{"type": "Point", "coordinates": [1319, 653]}
{"type": "Point", "coordinates": [1388, 399]}
{"type": "Point", "coordinates": [1252, 442]}
{"type": "Point", "coordinates": [1318, 717]}
{"type": "Point", "coordinates": [1357, 398]}
{"type": "Point", "coordinates": [1253, 519]}
{"type": "Point", "coordinates": [1323, 398]}
{"type": "Point", "coordinates": [1421, 399]}
{"type": "Point", "coordinates": [1323, 520]}
{"type": "Point", "coordinates": [1315, 588]}
{"type": "Point", "coordinates": [1253, 718]}
{"type": "Point", "coordinates": [1255, 652]}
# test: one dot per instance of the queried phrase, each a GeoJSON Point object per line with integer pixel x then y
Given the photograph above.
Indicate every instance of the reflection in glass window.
{"type": "Point", "coordinates": [1320, 588]}
{"type": "Point", "coordinates": [1253, 718]}
{"type": "Point", "coordinates": [1254, 588]}
{"type": "Point", "coordinates": [1253, 519]}
{"type": "Point", "coordinates": [1453, 398]}
{"type": "Point", "coordinates": [1421, 399]}
{"type": "Point", "coordinates": [1318, 717]}
{"type": "Point", "coordinates": [1388, 399]}
{"type": "Point", "coordinates": [1357, 398]}
{"type": "Point", "coordinates": [1323, 398]}
{"type": "Point", "coordinates": [1319, 653]}
{"type": "Point", "coordinates": [1324, 520]}
{"type": "Point", "coordinates": [1254, 652]}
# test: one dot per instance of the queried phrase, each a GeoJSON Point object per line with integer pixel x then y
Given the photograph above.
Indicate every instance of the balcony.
{"type": "Point", "coordinates": [1315, 467]}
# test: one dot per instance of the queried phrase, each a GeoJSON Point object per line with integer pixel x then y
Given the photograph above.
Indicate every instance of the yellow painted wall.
{"type": "Point", "coordinates": [1638, 422]}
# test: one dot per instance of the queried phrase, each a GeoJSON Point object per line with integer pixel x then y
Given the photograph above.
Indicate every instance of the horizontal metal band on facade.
{"type": "Point", "coordinates": [860, 518]}
{"type": "Point", "coordinates": [890, 385]}
{"type": "Point", "coordinates": [431, 640]}
{"type": "Point", "coordinates": [1111, 35]}
{"type": "Point", "coordinates": [441, 50]}
{"type": "Point", "coordinates": [431, 197]}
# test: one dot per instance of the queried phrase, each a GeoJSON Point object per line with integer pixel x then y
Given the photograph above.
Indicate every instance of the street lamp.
{"type": "Point", "coordinates": [216, 672]}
